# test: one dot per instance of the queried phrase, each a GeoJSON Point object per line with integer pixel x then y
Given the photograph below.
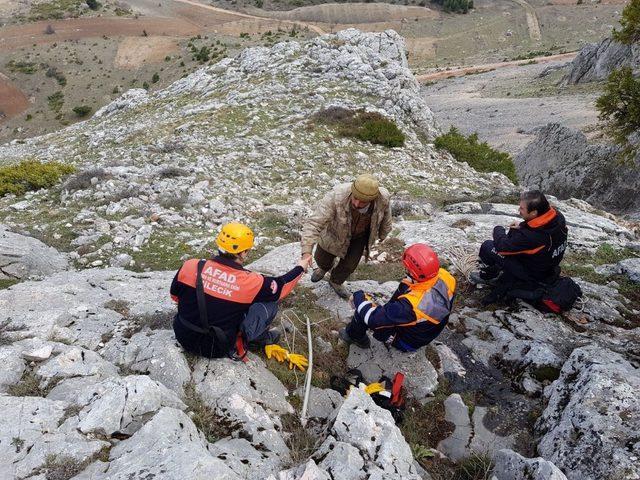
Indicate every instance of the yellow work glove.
{"type": "Point", "coordinates": [374, 388]}
{"type": "Point", "coordinates": [298, 360]}
{"type": "Point", "coordinates": [276, 351]}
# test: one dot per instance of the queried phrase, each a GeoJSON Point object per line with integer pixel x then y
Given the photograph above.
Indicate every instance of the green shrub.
{"type": "Point", "coordinates": [155, 78]}
{"type": "Point", "coordinates": [93, 4]}
{"type": "Point", "coordinates": [480, 156]}
{"type": "Point", "coordinates": [22, 67]}
{"type": "Point", "coordinates": [31, 175]}
{"type": "Point", "coordinates": [619, 106]}
{"type": "Point", "coordinates": [56, 100]}
{"type": "Point", "coordinates": [82, 110]}
{"type": "Point", "coordinates": [630, 21]}
{"type": "Point", "coordinates": [456, 6]}
{"type": "Point", "coordinates": [368, 126]}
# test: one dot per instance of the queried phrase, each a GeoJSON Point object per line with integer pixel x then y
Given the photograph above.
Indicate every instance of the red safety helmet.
{"type": "Point", "coordinates": [421, 262]}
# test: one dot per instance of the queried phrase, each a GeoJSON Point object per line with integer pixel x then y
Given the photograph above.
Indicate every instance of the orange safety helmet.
{"type": "Point", "coordinates": [421, 262]}
{"type": "Point", "coordinates": [234, 238]}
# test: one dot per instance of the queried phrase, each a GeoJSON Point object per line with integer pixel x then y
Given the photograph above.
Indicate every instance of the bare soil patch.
{"type": "Point", "coordinates": [136, 51]}
{"type": "Point", "coordinates": [77, 28]}
{"type": "Point", "coordinates": [355, 13]}
{"type": "Point", "coordinates": [12, 100]}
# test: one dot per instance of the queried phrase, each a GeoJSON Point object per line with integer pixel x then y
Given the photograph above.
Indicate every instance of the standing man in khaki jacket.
{"type": "Point", "coordinates": [345, 224]}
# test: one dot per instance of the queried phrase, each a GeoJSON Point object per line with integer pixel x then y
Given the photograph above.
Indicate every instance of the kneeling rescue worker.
{"type": "Point", "coordinates": [221, 306]}
{"type": "Point", "coordinates": [416, 313]}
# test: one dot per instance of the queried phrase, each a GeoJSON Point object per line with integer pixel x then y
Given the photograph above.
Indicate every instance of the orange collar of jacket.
{"type": "Point", "coordinates": [542, 219]}
{"type": "Point", "coordinates": [421, 286]}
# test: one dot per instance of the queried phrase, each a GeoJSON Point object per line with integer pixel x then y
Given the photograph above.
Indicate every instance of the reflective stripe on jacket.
{"type": "Point", "coordinates": [432, 300]}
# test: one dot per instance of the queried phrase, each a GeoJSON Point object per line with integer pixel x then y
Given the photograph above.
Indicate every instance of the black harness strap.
{"type": "Point", "coordinates": [217, 333]}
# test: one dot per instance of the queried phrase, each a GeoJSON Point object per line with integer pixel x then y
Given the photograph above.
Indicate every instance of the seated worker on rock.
{"type": "Point", "coordinates": [345, 224]}
{"type": "Point", "coordinates": [416, 313]}
{"type": "Point", "coordinates": [528, 254]}
{"type": "Point", "coordinates": [221, 306]}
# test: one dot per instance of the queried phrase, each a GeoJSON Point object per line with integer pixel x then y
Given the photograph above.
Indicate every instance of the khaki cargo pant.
{"type": "Point", "coordinates": [347, 265]}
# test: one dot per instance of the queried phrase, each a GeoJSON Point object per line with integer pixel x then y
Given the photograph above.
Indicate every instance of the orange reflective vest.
{"type": "Point", "coordinates": [432, 300]}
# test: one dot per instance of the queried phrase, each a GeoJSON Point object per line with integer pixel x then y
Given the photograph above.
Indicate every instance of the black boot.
{"type": "Point", "coordinates": [364, 342]}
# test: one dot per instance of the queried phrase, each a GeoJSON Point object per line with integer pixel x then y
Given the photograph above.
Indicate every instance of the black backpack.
{"type": "Point", "coordinates": [556, 296]}
{"type": "Point", "coordinates": [561, 295]}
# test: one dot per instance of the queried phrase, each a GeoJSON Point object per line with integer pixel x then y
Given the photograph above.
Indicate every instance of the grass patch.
{"type": "Point", "coordinates": [31, 175]}
{"type": "Point", "coordinates": [582, 265]}
{"type": "Point", "coordinates": [55, 101]}
{"type": "Point", "coordinates": [424, 426]}
{"type": "Point", "coordinates": [301, 441]}
{"type": "Point", "coordinates": [56, 9]}
{"type": "Point", "coordinates": [29, 386]}
{"type": "Point", "coordinates": [7, 282]}
{"type": "Point", "coordinates": [22, 67]}
{"type": "Point", "coordinates": [213, 426]}
{"type": "Point", "coordinates": [370, 127]}
{"type": "Point", "coordinates": [301, 302]}
{"type": "Point", "coordinates": [480, 156]}
{"type": "Point", "coordinates": [62, 467]}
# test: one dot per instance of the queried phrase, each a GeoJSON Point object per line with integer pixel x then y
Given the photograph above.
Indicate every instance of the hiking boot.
{"type": "Point", "coordinates": [340, 290]}
{"type": "Point", "coordinates": [364, 342]}
{"type": "Point", "coordinates": [484, 277]}
{"type": "Point", "coordinates": [318, 274]}
{"type": "Point", "coordinates": [269, 338]}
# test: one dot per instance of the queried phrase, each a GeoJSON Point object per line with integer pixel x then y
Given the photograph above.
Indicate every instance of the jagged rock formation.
{"type": "Point", "coordinates": [237, 141]}
{"type": "Point", "coordinates": [561, 161]}
{"type": "Point", "coordinates": [594, 402]}
{"type": "Point", "coordinates": [596, 61]}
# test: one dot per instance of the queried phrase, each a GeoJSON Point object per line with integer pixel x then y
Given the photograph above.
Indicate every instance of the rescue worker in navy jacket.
{"type": "Point", "coordinates": [240, 305]}
{"type": "Point", "coordinates": [416, 313]}
{"type": "Point", "coordinates": [529, 253]}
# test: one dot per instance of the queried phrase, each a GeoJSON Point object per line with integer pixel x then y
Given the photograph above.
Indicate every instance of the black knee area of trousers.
{"type": "Point", "coordinates": [198, 343]}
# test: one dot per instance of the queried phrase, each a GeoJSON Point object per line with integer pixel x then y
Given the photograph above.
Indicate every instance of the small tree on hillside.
{"type": "Point", "coordinates": [630, 21]}
{"type": "Point", "coordinates": [619, 106]}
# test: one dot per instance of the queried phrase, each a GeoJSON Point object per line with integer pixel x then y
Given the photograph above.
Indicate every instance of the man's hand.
{"type": "Point", "coordinates": [515, 225]}
{"type": "Point", "coordinates": [305, 261]}
{"type": "Point", "coordinates": [351, 302]}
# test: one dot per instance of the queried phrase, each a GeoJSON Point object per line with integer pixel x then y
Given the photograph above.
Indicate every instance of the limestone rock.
{"type": "Point", "coordinates": [562, 162]}
{"type": "Point", "coordinates": [247, 394]}
{"type": "Point", "coordinates": [510, 465]}
{"type": "Point", "coordinates": [168, 446]}
{"type": "Point", "coordinates": [631, 268]}
{"type": "Point", "coordinates": [589, 428]}
{"type": "Point", "coordinates": [23, 423]}
{"type": "Point", "coordinates": [372, 430]}
{"type": "Point", "coordinates": [596, 61]}
{"type": "Point", "coordinates": [24, 257]}
{"type": "Point", "coordinates": [421, 379]}
{"type": "Point", "coordinates": [12, 368]}
{"type": "Point", "coordinates": [456, 445]}
{"type": "Point", "coordinates": [75, 362]}
{"type": "Point", "coordinates": [157, 354]}
{"type": "Point", "coordinates": [122, 405]}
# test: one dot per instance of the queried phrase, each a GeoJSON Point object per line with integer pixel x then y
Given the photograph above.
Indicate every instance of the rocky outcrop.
{"type": "Point", "coordinates": [597, 60]}
{"type": "Point", "coordinates": [23, 257]}
{"type": "Point", "coordinates": [590, 426]}
{"type": "Point", "coordinates": [509, 465]}
{"type": "Point", "coordinates": [562, 162]}
{"type": "Point", "coordinates": [154, 166]}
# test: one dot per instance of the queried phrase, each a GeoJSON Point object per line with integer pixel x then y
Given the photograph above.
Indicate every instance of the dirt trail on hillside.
{"type": "Point", "coordinates": [12, 100]}
{"type": "Point", "coordinates": [487, 67]}
{"type": "Point", "coordinates": [310, 26]}
{"type": "Point", "coordinates": [505, 117]}
{"type": "Point", "coordinates": [532, 20]}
